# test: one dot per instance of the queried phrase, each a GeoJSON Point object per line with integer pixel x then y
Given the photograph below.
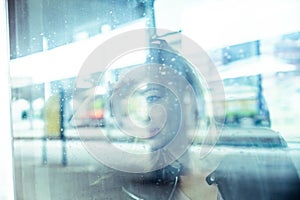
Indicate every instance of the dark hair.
{"type": "Point", "coordinates": [161, 53]}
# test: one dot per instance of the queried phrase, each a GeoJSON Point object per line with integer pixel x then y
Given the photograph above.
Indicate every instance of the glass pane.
{"type": "Point", "coordinates": [155, 99]}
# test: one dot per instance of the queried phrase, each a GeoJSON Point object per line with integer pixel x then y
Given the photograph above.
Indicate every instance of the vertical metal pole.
{"type": "Point", "coordinates": [260, 93]}
{"type": "Point", "coordinates": [6, 142]}
{"type": "Point", "coordinates": [62, 127]}
{"type": "Point", "coordinates": [151, 18]}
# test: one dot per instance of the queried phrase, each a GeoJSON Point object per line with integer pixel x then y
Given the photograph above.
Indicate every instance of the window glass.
{"type": "Point", "coordinates": [42, 25]}
{"type": "Point", "coordinates": [142, 99]}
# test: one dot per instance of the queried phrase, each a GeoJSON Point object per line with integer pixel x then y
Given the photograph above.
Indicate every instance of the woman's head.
{"type": "Point", "coordinates": [166, 99]}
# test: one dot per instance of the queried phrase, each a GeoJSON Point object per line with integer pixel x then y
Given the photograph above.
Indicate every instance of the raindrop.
{"type": "Point", "coordinates": [173, 59]}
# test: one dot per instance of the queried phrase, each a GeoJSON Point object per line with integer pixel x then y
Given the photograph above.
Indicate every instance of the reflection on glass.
{"type": "Point", "coordinates": [249, 160]}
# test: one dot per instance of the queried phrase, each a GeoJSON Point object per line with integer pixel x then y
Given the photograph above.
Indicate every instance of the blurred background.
{"type": "Point", "coordinates": [255, 46]}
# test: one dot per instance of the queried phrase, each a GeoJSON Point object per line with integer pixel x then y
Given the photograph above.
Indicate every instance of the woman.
{"type": "Point", "coordinates": [166, 109]}
{"type": "Point", "coordinates": [175, 116]}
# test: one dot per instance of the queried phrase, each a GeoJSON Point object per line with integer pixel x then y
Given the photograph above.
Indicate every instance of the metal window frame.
{"type": "Point", "coordinates": [6, 141]}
